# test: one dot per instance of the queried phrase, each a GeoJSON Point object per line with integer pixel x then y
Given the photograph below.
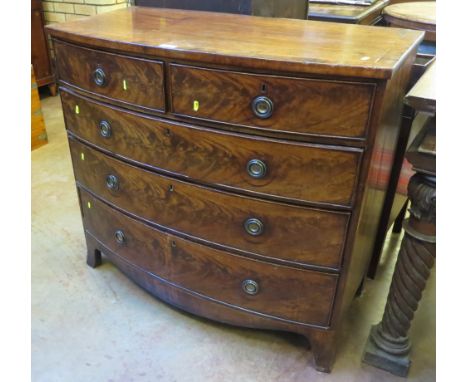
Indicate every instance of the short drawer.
{"type": "Point", "coordinates": [282, 292]}
{"type": "Point", "coordinates": [291, 105]}
{"type": "Point", "coordinates": [293, 171]}
{"type": "Point", "coordinates": [270, 230]}
{"type": "Point", "coordinates": [133, 81]}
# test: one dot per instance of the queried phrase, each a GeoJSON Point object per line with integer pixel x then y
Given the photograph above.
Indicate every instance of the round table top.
{"type": "Point", "coordinates": [423, 12]}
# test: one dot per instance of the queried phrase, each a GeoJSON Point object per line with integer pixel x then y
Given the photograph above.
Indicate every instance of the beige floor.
{"type": "Point", "coordinates": [95, 325]}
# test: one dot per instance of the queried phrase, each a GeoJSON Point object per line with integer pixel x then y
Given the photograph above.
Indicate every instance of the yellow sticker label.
{"type": "Point", "coordinates": [124, 84]}
{"type": "Point", "coordinates": [196, 105]}
{"type": "Point", "coordinates": [77, 109]}
{"type": "Point", "coordinates": [89, 204]}
{"type": "Point", "coordinates": [82, 156]}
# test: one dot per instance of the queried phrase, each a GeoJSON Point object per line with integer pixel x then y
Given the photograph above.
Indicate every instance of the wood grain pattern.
{"type": "Point", "coordinates": [423, 95]}
{"type": "Point", "coordinates": [396, 199]}
{"type": "Point", "coordinates": [144, 82]}
{"type": "Point", "coordinates": [293, 234]}
{"type": "Point", "coordinates": [417, 15]}
{"type": "Point", "coordinates": [375, 178]}
{"type": "Point", "coordinates": [39, 48]}
{"type": "Point", "coordinates": [191, 200]}
{"type": "Point", "coordinates": [423, 12]}
{"type": "Point", "coordinates": [250, 42]}
{"type": "Point", "coordinates": [291, 294]}
{"type": "Point", "coordinates": [322, 340]}
{"type": "Point", "coordinates": [301, 106]}
{"type": "Point", "coordinates": [195, 303]}
{"type": "Point", "coordinates": [389, 345]}
{"type": "Point", "coordinates": [422, 151]}
{"type": "Point", "coordinates": [300, 172]}
{"type": "Point", "coordinates": [346, 13]}
{"type": "Point", "coordinates": [38, 130]}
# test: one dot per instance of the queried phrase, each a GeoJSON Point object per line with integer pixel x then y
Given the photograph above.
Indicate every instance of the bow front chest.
{"type": "Point", "coordinates": [234, 166]}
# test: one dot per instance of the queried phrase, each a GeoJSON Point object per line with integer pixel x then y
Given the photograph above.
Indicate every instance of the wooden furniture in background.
{"type": "Point", "coordinates": [416, 15]}
{"type": "Point", "coordinates": [388, 345]}
{"type": "Point", "coordinates": [396, 200]}
{"type": "Point", "coordinates": [295, 9]}
{"type": "Point", "coordinates": [38, 131]}
{"type": "Point", "coordinates": [422, 96]}
{"type": "Point", "coordinates": [39, 50]}
{"type": "Point", "coordinates": [349, 14]}
{"type": "Point", "coordinates": [238, 181]}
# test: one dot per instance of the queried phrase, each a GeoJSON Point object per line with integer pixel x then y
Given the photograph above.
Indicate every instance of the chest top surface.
{"type": "Point", "coordinates": [246, 41]}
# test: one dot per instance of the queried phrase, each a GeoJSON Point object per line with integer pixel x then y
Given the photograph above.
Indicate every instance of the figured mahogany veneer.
{"type": "Point", "coordinates": [234, 166]}
{"type": "Point", "coordinates": [134, 81]}
{"type": "Point", "coordinates": [214, 157]}
{"type": "Point", "coordinates": [215, 216]}
{"type": "Point", "coordinates": [300, 106]}
{"type": "Point", "coordinates": [255, 43]}
{"type": "Point", "coordinates": [213, 273]}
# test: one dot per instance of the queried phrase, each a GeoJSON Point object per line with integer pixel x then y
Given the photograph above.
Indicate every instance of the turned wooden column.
{"type": "Point", "coordinates": [388, 346]}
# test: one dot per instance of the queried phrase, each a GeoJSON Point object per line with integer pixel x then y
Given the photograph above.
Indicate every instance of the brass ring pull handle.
{"type": "Point", "coordinates": [105, 129]}
{"type": "Point", "coordinates": [119, 237]}
{"type": "Point", "coordinates": [262, 107]}
{"type": "Point", "coordinates": [112, 182]}
{"type": "Point", "coordinates": [253, 226]}
{"type": "Point", "coordinates": [99, 77]}
{"type": "Point", "coordinates": [256, 168]}
{"type": "Point", "coordinates": [250, 287]}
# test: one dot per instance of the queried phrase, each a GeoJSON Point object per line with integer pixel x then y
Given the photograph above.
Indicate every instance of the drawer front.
{"type": "Point", "coordinates": [299, 106]}
{"type": "Point", "coordinates": [134, 81]}
{"type": "Point", "coordinates": [266, 229]}
{"type": "Point", "coordinates": [283, 292]}
{"type": "Point", "coordinates": [303, 172]}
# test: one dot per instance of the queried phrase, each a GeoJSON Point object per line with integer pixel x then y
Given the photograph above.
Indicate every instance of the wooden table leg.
{"type": "Point", "coordinates": [388, 345]}
{"type": "Point", "coordinates": [390, 203]}
{"type": "Point", "coordinates": [398, 223]}
{"type": "Point", "coordinates": [53, 89]}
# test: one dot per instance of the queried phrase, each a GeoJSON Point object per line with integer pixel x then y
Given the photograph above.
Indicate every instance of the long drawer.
{"type": "Point", "coordinates": [291, 105]}
{"type": "Point", "coordinates": [301, 172]}
{"type": "Point", "coordinates": [132, 81]}
{"type": "Point", "coordinates": [267, 229]}
{"type": "Point", "coordinates": [291, 294]}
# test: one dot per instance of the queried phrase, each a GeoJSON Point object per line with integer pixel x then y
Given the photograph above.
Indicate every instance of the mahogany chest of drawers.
{"type": "Point", "coordinates": [232, 165]}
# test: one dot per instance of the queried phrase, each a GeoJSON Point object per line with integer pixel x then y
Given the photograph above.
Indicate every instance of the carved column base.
{"type": "Point", "coordinates": [388, 345]}
{"type": "Point", "coordinates": [394, 360]}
